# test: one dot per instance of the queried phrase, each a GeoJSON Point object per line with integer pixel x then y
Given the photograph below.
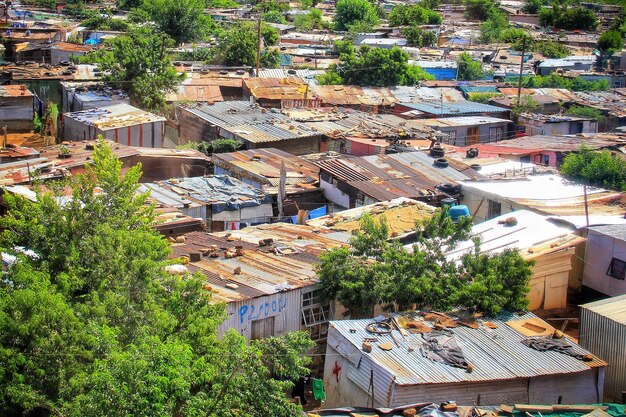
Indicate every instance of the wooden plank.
{"type": "Point", "coordinates": [534, 408]}
{"type": "Point", "coordinates": [578, 408]}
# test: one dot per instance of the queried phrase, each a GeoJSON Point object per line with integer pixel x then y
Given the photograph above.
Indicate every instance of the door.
{"type": "Point", "coordinates": [262, 328]}
{"type": "Point", "coordinates": [472, 136]}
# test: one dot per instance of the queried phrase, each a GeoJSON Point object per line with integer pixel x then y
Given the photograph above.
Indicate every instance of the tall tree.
{"type": "Point", "coordinates": [468, 68]}
{"type": "Point", "coordinates": [140, 64]}
{"type": "Point", "coordinates": [182, 20]}
{"type": "Point", "coordinates": [479, 9]}
{"type": "Point", "coordinates": [91, 324]}
{"type": "Point", "coordinates": [597, 168]}
{"type": "Point", "coordinates": [373, 67]}
{"type": "Point", "coordinates": [414, 14]}
{"type": "Point", "coordinates": [355, 12]}
{"type": "Point", "coordinates": [238, 46]}
{"type": "Point", "coordinates": [375, 271]}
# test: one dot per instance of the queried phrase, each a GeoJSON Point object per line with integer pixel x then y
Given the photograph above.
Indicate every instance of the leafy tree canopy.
{"type": "Point", "coordinates": [611, 41]}
{"type": "Point", "coordinates": [182, 20]}
{"type": "Point", "coordinates": [93, 325]}
{"type": "Point", "coordinates": [355, 12]}
{"type": "Point", "coordinates": [139, 63]}
{"type": "Point", "coordinates": [468, 69]}
{"type": "Point", "coordinates": [558, 81]}
{"type": "Point", "coordinates": [222, 4]}
{"type": "Point", "coordinates": [418, 37]}
{"type": "Point", "coordinates": [414, 14]}
{"type": "Point", "coordinates": [585, 111]}
{"type": "Point", "coordinates": [479, 9]}
{"type": "Point", "coordinates": [238, 46]}
{"type": "Point", "coordinates": [532, 6]}
{"type": "Point", "coordinates": [372, 67]}
{"type": "Point", "coordinates": [274, 16]}
{"type": "Point", "coordinates": [375, 271]}
{"type": "Point", "coordinates": [310, 20]}
{"type": "Point", "coordinates": [568, 17]}
{"type": "Point", "coordinates": [492, 29]}
{"type": "Point", "coordinates": [598, 168]}
{"type": "Point", "coordinates": [215, 146]}
{"type": "Point", "coordinates": [272, 5]}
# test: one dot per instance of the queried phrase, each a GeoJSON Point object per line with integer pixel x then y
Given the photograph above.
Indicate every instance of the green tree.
{"type": "Point", "coordinates": [532, 6]}
{"type": "Point", "coordinates": [238, 46]}
{"type": "Point", "coordinates": [274, 16]}
{"type": "Point", "coordinates": [182, 20]}
{"type": "Point", "coordinates": [483, 97]}
{"type": "Point", "coordinates": [139, 63]}
{"type": "Point", "coordinates": [468, 69]}
{"type": "Point", "coordinates": [491, 30]}
{"type": "Point", "coordinates": [526, 104]}
{"type": "Point", "coordinates": [222, 4]}
{"type": "Point", "coordinates": [414, 14]}
{"type": "Point", "coordinates": [558, 81]}
{"type": "Point", "coordinates": [351, 12]}
{"type": "Point", "coordinates": [309, 21]}
{"type": "Point", "coordinates": [272, 5]}
{"type": "Point", "coordinates": [93, 324]}
{"type": "Point", "coordinates": [597, 168]}
{"type": "Point", "coordinates": [584, 111]}
{"type": "Point", "coordinates": [373, 67]}
{"type": "Point", "coordinates": [418, 37]}
{"type": "Point", "coordinates": [129, 4]}
{"type": "Point", "coordinates": [375, 271]}
{"type": "Point", "coordinates": [214, 146]}
{"type": "Point", "coordinates": [611, 41]}
{"type": "Point", "coordinates": [567, 17]}
{"type": "Point", "coordinates": [479, 9]}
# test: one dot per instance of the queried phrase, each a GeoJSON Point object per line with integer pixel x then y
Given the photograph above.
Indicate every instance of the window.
{"type": "Point", "coordinates": [617, 269]}
{"type": "Point", "coordinates": [494, 209]}
{"type": "Point", "coordinates": [545, 160]}
{"type": "Point", "coordinates": [315, 314]}
{"type": "Point", "coordinates": [495, 133]}
{"type": "Point", "coordinates": [451, 136]}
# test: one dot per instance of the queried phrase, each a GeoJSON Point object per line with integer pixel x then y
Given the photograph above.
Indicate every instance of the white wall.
{"type": "Point", "coordinates": [600, 250]}
{"type": "Point", "coordinates": [334, 194]}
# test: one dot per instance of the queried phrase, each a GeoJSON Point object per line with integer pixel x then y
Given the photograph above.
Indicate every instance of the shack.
{"type": "Point", "coordinates": [468, 130]}
{"type": "Point", "coordinates": [121, 123]}
{"type": "Point", "coordinates": [603, 332]}
{"type": "Point", "coordinates": [541, 124]}
{"type": "Point", "coordinates": [487, 361]}
{"type": "Point", "coordinates": [549, 244]}
{"type": "Point", "coordinates": [16, 108]}
{"type": "Point", "coordinates": [223, 202]}
{"type": "Point", "coordinates": [605, 266]}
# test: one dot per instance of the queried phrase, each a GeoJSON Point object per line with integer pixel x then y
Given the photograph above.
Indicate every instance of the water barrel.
{"type": "Point", "coordinates": [448, 202]}
{"type": "Point", "coordinates": [458, 211]}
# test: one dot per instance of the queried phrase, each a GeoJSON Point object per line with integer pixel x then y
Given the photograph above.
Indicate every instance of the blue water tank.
{"type": "Point", "coordinates": [459, 211]}
{"type": "Point", "coordinates": [448, 202]}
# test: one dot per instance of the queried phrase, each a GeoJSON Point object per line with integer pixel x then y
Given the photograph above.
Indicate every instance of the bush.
{"type": "Point", "coordinates": [355, 12]}
{"type": "Point", "coordinates": [469, 69]}
{"type": "Point", "coordinates": [418, 37]}
{"type": "Point", "coordinates": [597, 168]}
{"type": "Point", "coordinates": [410, 15]}
{"type": "Point", "coordinates": [483, 97]}
{"type": "Point", "coordinates": [584, 111]}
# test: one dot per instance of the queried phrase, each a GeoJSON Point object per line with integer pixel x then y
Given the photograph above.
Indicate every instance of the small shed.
{"type": "Point", "coordinates": [603, 332]}
{"type": "Point", "coordinates": [406, 369]}
{"type": "Point", "coordinates": [16, 108]}
{"type": "Point", "coordinates": [121, 123]}
{"type": "Point", "coordinates": [605, 259]}
{"type": "Point", "coordinates": [548, 243]}
{"type": "Point", "coordinates": [223, 202]}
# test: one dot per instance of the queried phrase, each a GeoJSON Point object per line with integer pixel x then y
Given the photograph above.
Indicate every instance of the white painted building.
{"type": "Point", "coordinates": [605, 260]}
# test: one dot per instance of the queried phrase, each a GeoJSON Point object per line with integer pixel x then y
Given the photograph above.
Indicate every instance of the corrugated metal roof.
{"type": "Point", "coordinates": [289, 263]}
{"type": "Point", "coordinates": [385, 177]}
{"type": "Point", "coordinates": [459, 107]}
{"type": "Point", "coordinates": [612, 308]}
{"type": "Point", "coordinates": [532, 235]}
{"type": "Point", "coordinates": [495, 354]}
{"type": "Point", "coordinates": [114, 117]}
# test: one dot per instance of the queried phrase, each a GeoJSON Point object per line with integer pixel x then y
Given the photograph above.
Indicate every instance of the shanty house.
{"type": "Point", "coordinates": [425, 366]}
{"type": "Point", "coordinates": [605, 260]}
{"type": "Point", "coordinates": [255, 126]}
{"type": "Point", "coordinates": [550, 245]}
{"type": "Point", "coordinates": [266, 276]}
{"type": "Point", "coordinates": [546, 194]}
{"type": "Point", "coordinates": [16, 108]}
{"type": "Point", "coordinates": [261, 168]}
{"type": "Point", "coordinates": [440, 109]}
{"type": "Point", "coordinates": [541, 124]}
{"type": "Point", "coordinates": [603, 332]}
{"type": "Point", "coordinates": [223, 202]}
{"type": "Point", "coordinates": [78, 96]}
{"type": "Point", "coordinates": [356, 181]}
{"type": "Point", "coordinates": [121, 123]}
{"type": "Point", "coordinates": [468, 130]}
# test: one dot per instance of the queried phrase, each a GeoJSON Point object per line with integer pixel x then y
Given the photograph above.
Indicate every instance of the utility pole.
{"type": "Point", "coordinates": [258, 47]}
{"type": "Point", "coordinates": [521, 70]}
